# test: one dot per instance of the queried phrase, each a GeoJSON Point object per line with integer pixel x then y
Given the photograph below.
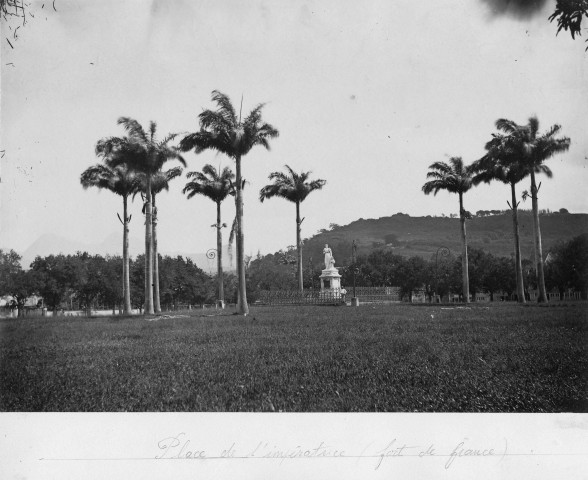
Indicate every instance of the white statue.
{"type": "Point", "coordinates": [329, 260]}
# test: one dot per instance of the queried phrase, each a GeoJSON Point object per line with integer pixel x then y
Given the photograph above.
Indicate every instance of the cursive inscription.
{"type": "Point", "coordinates": [264, 450]}
{"type": "Point", "coordinates": [463, 450]}
{"type": "Point", "coordinates": [393, 449]}
{"type": "Point", "coordinates": [178, 447]}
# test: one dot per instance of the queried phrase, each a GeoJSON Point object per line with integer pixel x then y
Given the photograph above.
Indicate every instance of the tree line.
{"type": "Point", "coordinates": [83, 281]}
{"type": "Point", "coordinates": [566, 270]}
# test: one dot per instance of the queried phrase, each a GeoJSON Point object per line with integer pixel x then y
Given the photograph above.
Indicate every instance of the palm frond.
{"type": "Point", "coordinates": [209, 183]}
{"type": "Point", "coordinates": [152, 130]}
{"type": "Point", "coordinates": [544, 169]}
{"type": "Point", "coordinates": [225, 107]}
{"type": "Point", "coordinates": [533, 126]}
{"type": "Point", "coordinates": [507, 126]}
{"type": "Point", "coordinates": [96, 176]}
{"type": "Point", "coordinates": [291, 186]}
{"type": "Point", "coordinates": [220, 130]}
{"type": "Point", "coordinates": [433, 186]}
{"type": "Point", "coordinates": [454, 177]}
{"type": "Point", "coordinates": [118, 180]}
{"type": "Point", "coordinates": [133, 128]}
{"type": "Point", "coordinates": [523, 150]}
{"type": "Point", "coordinates": [106, 146]}
{"type": "Point", "coordinates": [167, 139]}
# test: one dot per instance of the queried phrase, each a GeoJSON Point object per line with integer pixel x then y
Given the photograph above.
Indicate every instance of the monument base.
{"type": "Point", "coordinates": [354, 302]}
{"type": "Point", "coordinates": [330, 280]}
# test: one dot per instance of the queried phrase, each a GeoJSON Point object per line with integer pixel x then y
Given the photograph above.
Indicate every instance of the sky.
{"type": "Point", "coordinates": [365, 95]}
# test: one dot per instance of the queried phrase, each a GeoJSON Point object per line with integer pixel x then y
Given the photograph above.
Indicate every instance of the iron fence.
{"type": "Point", "coordinates": [296, 297]}
{"type": "Point", "coordinates": [330, 297]}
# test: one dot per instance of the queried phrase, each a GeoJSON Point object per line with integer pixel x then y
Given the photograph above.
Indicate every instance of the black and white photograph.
{"type": "Point", "coordinates": [278, 239]}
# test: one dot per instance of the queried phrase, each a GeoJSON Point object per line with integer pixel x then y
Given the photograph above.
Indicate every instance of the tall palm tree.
{"type": "Point", "coordinates": [224, 131]}
{"type": "Point", "coordinates": [294, 187]}
{"type": "Point", "coordinates": [159, 182]}
{"type": "Point", "coordinates": [454, 177]}
{"type": "Point", "coordinates": [533, 150]}
{"type": "Point", "coordinates": [142, 152]}
{"type": "Point", "coordinates": [500, 163]}
{"type": "Point", "coordinates": [121, 181]}
{"type": "Point", "coordinates": [216, 186]}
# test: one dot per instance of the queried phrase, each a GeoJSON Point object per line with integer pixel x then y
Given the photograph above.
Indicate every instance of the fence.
{"type": "Point", "coordinates": [295, 297]}
{"type": "Point", "coordinates": [329, 297]}
{"type": "Point", "coordinates": [377, 294]}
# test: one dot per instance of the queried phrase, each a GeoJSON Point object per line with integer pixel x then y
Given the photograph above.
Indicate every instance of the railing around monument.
{"type": "Point", "coordinates": [333, 297]}
{"type": "Point", "coordinates": [377, 294]}
{"type": "Point", "coordinates": [295, 297]}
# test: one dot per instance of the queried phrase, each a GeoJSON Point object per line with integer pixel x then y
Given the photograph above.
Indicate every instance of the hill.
{"type": "Point", "coordinates": [422, 236]}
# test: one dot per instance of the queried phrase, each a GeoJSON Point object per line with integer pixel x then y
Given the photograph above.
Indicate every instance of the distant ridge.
{"type": "Point", "coordinates": [422, 236]}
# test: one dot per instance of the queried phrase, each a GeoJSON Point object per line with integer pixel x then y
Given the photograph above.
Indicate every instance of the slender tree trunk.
{"type": "Point", "coordinates": [126, 262]}
{"type": "Point", "coordinates": [517, 246]}
{"type": "Point", "coordinates": [464, 256]}
{"type": "Point", "coordinates": [148, 252]}
{"type": "Point", "coordinates": [219, 256]}
{"type": "Point", "coordinates": [299, 248]}
{"type": "Point", "coordinates": [156, 303]}
{"type": "Point", "coordinates": [538, 248]}
{"type": "Point", "coordinates": [242, 306]}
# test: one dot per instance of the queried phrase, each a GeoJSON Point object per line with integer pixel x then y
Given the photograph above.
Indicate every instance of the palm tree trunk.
{"type": "Point", "coordinates": [156, 303]}
{"type": "Point", "coordinates": [299, 248]}
{"type": "Point", "coordinates": [219, 256]}
{"type": "Point", "coordinates": [242, 306]}
{"type": "Point", "coordinates": [538, 248]}
{"type": "Point", "coordinates": [148, 252]}
{"type": "Point", "coordinates": [126, 266]}
{"type": "Point", "coordinates": [517, 240]}
{"type": "Point", "coordinates": [464, 256]}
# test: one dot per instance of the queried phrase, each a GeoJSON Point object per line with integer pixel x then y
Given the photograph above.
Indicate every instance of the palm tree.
{"type": "Point", "coordinates": [159, 182]}
{"type": "Point", "coordinates": [533, 150]}
{"type": "Point", "coordinates": [500, 163]}
{"type": "Point", "coordinates": [216, 186]}
{"type": "Point", "coordinates": [143, 153]}
{"type": "Point", "coordinates": [121, 181]}
{"type": "Point", "coordinates": [223, 131]}
{"type": "Point", "coordinates": [455, 178]}
{"type": "Point", "coordinates": [295, 188]}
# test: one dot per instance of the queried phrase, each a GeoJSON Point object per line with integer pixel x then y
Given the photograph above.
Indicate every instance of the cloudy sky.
{"type": "Point", "coordinates": [365, 95]}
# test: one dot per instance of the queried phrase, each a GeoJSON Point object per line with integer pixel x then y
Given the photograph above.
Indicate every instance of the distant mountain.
{"type": "Point", "coordinates": [51, 244]}
{"type": "Point", "coordinates": [422, 236]}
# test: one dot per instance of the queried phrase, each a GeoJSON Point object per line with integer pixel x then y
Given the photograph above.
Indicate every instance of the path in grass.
{"type": "Point", "coordinates": [385, 358]}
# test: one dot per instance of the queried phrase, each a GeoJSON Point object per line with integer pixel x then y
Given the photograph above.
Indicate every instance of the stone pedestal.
{"type": "Point", "coordinates": [354, 302]}
{"type": "Point", "coordinates": [331, 282]}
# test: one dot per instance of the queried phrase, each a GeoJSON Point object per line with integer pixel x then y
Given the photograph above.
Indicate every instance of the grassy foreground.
{"type": "Point", "coordinates": [497, 358]}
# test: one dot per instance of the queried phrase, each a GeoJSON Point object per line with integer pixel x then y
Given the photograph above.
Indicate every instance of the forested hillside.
{"type": "Point", "coordinates": [409, 236]}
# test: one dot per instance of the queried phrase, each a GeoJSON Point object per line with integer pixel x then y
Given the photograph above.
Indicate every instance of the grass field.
{"type": "Point", "coordinates": [497, 358]}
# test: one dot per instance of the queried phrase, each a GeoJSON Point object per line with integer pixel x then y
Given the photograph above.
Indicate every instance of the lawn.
{"type": "Point", "coordinates": [494, 358]}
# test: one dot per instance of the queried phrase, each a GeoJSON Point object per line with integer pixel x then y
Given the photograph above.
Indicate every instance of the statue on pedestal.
{"type": "Point", "coordinates": [329, 260]}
